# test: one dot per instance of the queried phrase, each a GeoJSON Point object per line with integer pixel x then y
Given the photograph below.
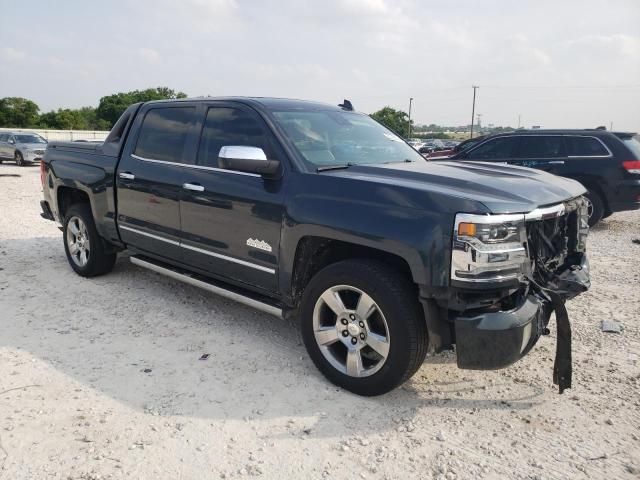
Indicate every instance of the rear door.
{"type": "Point", "coordinates": [544, 152]}
{"type": "Point", "coordinates": [150, 177]}
{"type": "Point", "coordinates": [231, 221]}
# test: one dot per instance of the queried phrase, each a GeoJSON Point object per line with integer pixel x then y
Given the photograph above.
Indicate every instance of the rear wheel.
{"type": "Point", "coordinates": [362, 326]}
{"type": "Point", "coordinates": [83, 245]}
{"type": "Point", "coordinates": [595, 207]}
{"type": "Point", "coordinates": [19, 159]}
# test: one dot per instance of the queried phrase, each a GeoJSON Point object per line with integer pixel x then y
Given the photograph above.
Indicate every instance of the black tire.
{"type": "Point", "coordinates": [98, 261]}
{"type": "Point", "coordinates": [596, 208]}
{"type": "Point", "coordinates": [396, 298]}
{"type": "Point", "coordinates": [19, 159]}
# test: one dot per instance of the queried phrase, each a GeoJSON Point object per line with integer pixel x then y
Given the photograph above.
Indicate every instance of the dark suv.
{"type": "Point", "coordinates": [606, 163]}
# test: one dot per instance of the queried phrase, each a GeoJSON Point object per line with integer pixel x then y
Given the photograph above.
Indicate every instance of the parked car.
{"type": "Point", "coordinates": [319, 213]}
{"type": "Point", "coordinates": [454, 150]}
{"type": "Point", "coordinates": [606, 163]}
{"type": "Point", "coordinates": [21, 147]}
{"type": "Point", "coordinates": [431, 145]}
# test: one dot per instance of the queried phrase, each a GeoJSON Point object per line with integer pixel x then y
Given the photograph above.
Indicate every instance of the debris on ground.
{"type": "Point", "coordinates": [610, 326]}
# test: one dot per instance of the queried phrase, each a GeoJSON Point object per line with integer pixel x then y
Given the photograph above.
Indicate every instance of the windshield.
{"type": "Point", "coordinates": [30, 139]}
{"type": "Point", "coordinates": [343, 138]}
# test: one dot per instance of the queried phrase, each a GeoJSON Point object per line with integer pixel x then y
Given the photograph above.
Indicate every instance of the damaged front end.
{"type": "Point", "coordinates": [509, 273]}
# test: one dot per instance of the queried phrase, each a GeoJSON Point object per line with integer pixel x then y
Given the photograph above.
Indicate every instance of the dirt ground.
{"type": "Point", "coordinates": [101, 378]}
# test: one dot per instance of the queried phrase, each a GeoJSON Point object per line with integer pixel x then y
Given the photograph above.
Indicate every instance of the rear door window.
{"type": "Point", "coordinates": [163, 134]}
{"type": "Point", "coordinates": [585, 147]}
{"type": "Point", "coordinates": [540, 146]}
{"type": "Point", "coordinates": [494, 149]}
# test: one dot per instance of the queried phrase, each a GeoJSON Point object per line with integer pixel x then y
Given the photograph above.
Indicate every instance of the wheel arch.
{"type": "Point", "coordinates": [70, 195]}
{"type": "Point", "coordinates": [313, 253]}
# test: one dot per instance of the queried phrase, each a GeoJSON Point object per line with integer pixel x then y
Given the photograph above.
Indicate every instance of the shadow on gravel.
{"type": "Point", "coordinates": [138, 337]}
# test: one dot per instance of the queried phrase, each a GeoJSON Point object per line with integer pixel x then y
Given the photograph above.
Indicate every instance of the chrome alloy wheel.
{"type": "Point", "coordinates": [351, 331]}
{"type": "Point", "coordinates": [78, 241]}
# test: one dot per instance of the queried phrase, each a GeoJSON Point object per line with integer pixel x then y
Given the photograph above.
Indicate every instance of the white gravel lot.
{"type": "Point", "coordinates": [100, 378]}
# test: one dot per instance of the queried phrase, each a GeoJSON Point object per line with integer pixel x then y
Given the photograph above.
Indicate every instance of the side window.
{"type": "Point", "coordinates": [496, 148]}
{"type": "Point", "coordinates": [534, 146]}
{"type": "Point", "coordinates": [4, 137]}
{"type": "Point", "coordinates": [585, 147]}
{"type": "Point", "coordinates": [163, 133]}
{"type": "Point", "coordinates": [225, 126]}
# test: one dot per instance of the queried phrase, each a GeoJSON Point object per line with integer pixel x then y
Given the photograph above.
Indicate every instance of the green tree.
{"type": "Point", "coordinates": [18, 112]}
{"type": "Point", "coordinates": [112, 106]}
{"type": "Point", "coordinates": [393, 119]}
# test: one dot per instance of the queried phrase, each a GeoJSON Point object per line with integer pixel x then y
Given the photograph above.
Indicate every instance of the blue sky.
{"type": "Point", "coordinates": [556, 63]}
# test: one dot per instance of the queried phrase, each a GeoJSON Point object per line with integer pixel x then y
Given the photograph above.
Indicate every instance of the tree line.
{"type": "Point", "coordinates": [18, 112]}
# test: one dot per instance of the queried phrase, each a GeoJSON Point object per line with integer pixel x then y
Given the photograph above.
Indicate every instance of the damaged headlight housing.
{"type": "Point", "coordinates": [488, 248]}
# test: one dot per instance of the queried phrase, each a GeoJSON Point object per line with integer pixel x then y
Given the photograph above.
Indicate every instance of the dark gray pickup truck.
{"type": "Point", "coordinates": [317, 212]}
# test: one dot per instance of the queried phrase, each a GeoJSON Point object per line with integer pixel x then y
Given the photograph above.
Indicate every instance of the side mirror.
{"type": "Point", "coordinates": [12, 141]}
{"type": "Point", "coordinates": [247, 159]}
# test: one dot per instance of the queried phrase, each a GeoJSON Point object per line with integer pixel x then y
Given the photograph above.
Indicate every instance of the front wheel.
{"type": "Point", "coordinates": [363, 327]}
{"type": "Point", "coordinates": [83, 245]}
{"type": "Point", "coordinates": [19, 159]}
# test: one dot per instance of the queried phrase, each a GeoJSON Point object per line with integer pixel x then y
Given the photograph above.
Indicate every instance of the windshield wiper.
{"type": "Point", "coordinates": [324, 168]}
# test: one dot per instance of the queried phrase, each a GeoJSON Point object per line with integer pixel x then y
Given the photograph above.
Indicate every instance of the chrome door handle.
{"type": "Point", "coordinates": [556, 162]}
{"type": "Point", "coordinates": [193, 187]}
{"type": "Point", "coordinates": [127, 175]}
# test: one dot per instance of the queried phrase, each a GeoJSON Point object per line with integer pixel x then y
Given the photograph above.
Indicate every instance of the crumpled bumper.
{"type": "Point", "coordinates": [493, 340]}
{"type": "Point", "coordinates": [496, 339]}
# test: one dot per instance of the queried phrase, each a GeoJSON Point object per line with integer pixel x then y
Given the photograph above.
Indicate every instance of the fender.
{"type": "Point", "coordinates": [95, 183]}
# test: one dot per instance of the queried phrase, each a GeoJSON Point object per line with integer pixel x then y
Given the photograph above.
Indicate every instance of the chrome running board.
{"type": "Point", "coordinates": [223, 292]}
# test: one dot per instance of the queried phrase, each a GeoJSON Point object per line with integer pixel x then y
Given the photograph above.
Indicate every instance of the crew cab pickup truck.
{"type": "Point", "coordinates": [318, 213]}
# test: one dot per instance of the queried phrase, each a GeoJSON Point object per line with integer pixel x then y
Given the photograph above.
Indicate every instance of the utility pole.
{"type": "Point", "coordinates": [611, 127]}
{"type": "Point", "coordinates": [409, 132]}
{"type": "Point", "coordinates": [473, 108]}
{"type": "Point", "coordinates": [519, 118]}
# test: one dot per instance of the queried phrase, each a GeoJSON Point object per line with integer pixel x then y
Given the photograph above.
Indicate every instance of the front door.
{"type": "Point", "coordinates": [150, 177]}
{"type": "Point", "coordinates": [231, 220]}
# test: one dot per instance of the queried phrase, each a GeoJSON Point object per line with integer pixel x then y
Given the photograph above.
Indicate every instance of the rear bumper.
{"type": "Point", "coordinates": [46, 211]}
{"type": "Point", "coordinates": [493, 340]}
{"type": "Point", "coordinates": [627, 196]}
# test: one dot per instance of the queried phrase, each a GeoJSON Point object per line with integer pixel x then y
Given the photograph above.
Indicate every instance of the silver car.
{"type": "Point", "coordinates": [21, 147]}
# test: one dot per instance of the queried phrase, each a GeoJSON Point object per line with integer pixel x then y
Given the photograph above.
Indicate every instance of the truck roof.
{"type": "Point", "coordinates": [270, 103]}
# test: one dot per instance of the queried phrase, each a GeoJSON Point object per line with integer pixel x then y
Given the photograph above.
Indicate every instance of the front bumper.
{"type": "Point", "coordinates": [495, 339]}
{"type": "Point", "coordinates": [488, 341]}
{"type": "Point", "coordinates": [31, 157]}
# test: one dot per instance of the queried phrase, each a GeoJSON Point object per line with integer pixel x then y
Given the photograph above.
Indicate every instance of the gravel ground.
{"type": "Point", "coordinates": [101, 378]}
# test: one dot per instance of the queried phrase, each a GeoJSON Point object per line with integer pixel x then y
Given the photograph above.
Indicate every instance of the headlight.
{"type": "Point", "coordinates": [489, 248]}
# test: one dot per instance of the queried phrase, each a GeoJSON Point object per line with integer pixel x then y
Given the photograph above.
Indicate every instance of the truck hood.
{"type": "Point", "coordinates": [500, 188]}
